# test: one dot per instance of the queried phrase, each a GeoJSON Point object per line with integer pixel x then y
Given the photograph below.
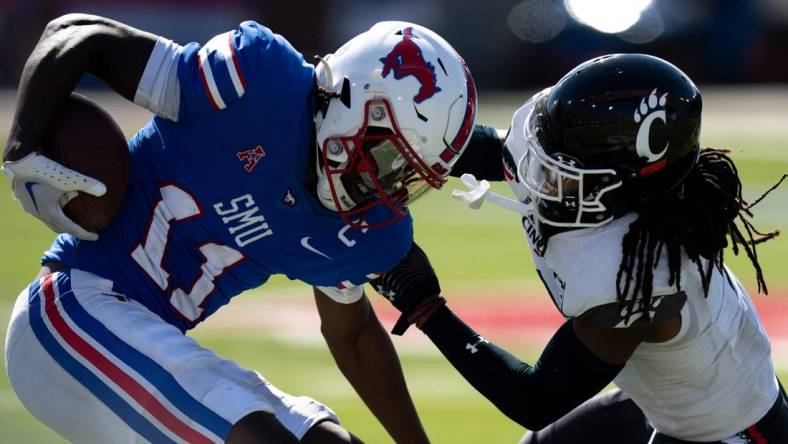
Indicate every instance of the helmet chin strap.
{"type": "Point", "coordinates": [325, 65]}
{"type": "Point", "coordinates": [478, 192]}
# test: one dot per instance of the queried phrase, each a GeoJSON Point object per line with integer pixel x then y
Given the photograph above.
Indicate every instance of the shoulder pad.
{"type": "Point", "coordinates": [587, 262]}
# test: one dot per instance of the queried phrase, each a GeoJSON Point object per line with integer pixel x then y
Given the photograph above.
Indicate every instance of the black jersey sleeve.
{"type": "Point", "coordinates": [483, 157]}
{"type": "Point", "coordinates": [625, 314]}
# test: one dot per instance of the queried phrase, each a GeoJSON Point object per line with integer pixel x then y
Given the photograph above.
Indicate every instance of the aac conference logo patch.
{"type": "Point", "coordinates": [251, 157]}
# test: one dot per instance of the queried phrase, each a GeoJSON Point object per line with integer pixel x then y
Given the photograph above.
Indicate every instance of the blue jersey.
{"type": "Point", "coordinates": [217, 200]}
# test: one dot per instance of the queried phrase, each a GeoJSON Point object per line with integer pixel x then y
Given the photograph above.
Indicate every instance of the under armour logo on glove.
{"type": "Point", "coordinates": [388, 294]}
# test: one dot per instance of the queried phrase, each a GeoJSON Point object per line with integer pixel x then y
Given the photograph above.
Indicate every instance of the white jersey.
{"type": "Point", "coordinates": [714, 379]}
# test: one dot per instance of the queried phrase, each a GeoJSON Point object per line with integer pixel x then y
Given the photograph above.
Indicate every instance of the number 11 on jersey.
{"type": "Point", "coordinates": [176, 204]}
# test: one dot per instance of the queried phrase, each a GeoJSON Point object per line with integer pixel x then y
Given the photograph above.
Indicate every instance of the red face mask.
{"type": "Point", "coordinates": [381, 169]}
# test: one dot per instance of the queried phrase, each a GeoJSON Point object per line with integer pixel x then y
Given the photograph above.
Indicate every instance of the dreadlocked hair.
{"type": "Point", "coordinates": [699, 216]}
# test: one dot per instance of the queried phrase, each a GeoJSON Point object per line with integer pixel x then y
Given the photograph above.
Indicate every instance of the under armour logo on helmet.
{"type": "Point", "coordinates": [648, 113]}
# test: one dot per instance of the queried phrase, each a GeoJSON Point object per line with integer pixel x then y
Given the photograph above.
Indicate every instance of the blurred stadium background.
{"type": "Point", "coordinates": [734, 49]}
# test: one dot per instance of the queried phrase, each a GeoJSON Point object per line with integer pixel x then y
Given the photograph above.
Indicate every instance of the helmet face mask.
{"type": "Point", "coordinates": [403, 111]}
{"type": "Point", "coordinates": [375, 166]}
{"type": "Point", "coordinates": [562, 192]}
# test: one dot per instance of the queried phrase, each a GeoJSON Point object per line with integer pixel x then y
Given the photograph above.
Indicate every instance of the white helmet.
{"type": "Point", "coordinates": [402, 111]}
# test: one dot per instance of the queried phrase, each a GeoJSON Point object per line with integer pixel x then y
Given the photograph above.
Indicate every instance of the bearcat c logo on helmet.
{"type": "Point", "coordinates": [406, 59]}
{"type": "Point", "coordinates": [649, 111]}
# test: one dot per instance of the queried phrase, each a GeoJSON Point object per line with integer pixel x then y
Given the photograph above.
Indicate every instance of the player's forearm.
{"type": "Point", "coordinates": [565, 375]}
{"type": "Point", "coordinates": [371, 365]}
{"type": "Point", "coordinates": [484, 155]}
{"type": "Point", "coordinates": [70, 47]}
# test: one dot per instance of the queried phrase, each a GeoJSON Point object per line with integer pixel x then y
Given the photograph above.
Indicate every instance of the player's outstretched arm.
{"type": "Point", "coordinates": [71, 46]}
{"type": "Point", "coordinates": [579, 361]}
{"type": "Point", "coordinates": [483, 157]}
{"type": "Point", "coordinates": [364, 353]}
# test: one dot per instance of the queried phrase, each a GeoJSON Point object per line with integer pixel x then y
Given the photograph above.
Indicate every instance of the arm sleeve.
{"type": "Point", "coordinates": [633, 313]}
{"type": "Point", "coordinates": [483, 157]}
{"type": "Point", "coordinates": [566, 374]}
{"type": "Point", "coordinates": [159, 90]}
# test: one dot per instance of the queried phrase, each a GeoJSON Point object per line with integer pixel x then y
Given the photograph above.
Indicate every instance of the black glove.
{"type": "Point", "coordinates": [409, 286]}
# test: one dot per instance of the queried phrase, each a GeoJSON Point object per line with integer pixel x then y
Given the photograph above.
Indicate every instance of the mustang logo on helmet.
{"type": "Point", "coordinates": [406, 59]}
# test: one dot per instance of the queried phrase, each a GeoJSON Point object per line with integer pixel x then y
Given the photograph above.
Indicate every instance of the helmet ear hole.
{"type": "Point", "coordinates": [344, 94]}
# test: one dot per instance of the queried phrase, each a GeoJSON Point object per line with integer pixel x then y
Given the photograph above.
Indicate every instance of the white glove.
{"type": "Point", "coordinates": [478, 192]}
{"type": "Point", "coordinates": [44, 186]}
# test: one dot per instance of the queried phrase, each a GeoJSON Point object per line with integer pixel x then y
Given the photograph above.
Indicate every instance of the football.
{"type": "Point", "coordinates": [85, 138]}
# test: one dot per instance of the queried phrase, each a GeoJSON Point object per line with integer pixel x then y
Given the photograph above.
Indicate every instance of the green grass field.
{"type": "Point", "coordinates": [480, 252]}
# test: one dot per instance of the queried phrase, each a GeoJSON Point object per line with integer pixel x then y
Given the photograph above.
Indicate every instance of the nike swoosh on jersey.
{"type": "Point", "coordinates": [305, 244]}
{"type": "Point", "coordinates": [29, 187]}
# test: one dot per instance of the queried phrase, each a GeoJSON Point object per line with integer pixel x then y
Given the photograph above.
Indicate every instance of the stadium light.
{"type": "Point", "coordinates": [608, 16]}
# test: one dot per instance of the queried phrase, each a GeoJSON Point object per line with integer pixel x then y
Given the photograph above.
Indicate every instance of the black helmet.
{"type": "Point", "coordinates": [612, 133]}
